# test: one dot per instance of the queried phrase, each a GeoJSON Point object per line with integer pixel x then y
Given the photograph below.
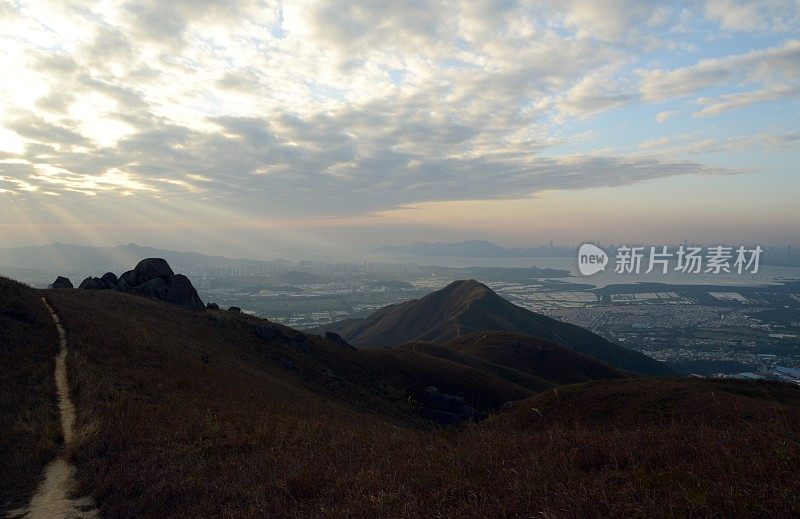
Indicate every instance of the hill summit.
{"type": "Point", "coordinates": [467, 306]}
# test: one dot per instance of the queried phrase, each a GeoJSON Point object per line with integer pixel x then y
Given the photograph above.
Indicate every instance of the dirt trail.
{"type": "Point", "coordinates": [54, 497]}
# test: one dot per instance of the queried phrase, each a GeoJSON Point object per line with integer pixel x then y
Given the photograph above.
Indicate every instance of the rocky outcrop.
{"type": "Point", "coordinates": [127, 280]}
{"type": "Point", "coordinates": [109, 280]}
{"type": "Point", "coordinates": [152, 268]}
{"type": "Point", "coordinates": [156, 287]}
{"type": "Point", "coordinates": [181, 292]}
{"type": "Point", "coordinates": [91, 283]}
{"type": "Point", "coordinates": [61, 282]}
{"type": "Point", "coordinates": [152, 277]}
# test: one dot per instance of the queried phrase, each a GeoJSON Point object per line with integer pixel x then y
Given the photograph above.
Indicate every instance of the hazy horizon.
{"type": "Point", "coordinates": [241, 128]}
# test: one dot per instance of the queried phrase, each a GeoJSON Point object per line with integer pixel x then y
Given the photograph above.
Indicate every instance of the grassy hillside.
{"type": "Point", "coordinates": [192, 414]}
{"type": "Point", "coordinates": [534, 356]}
{"type": "Point", "coordinates": [30, 433]}
{"type": "Point", "coordinates": [633, 403]}
{"type": "Point", "coordinates": [525, 380]}
{"type": "Point", "coordinates": [179, 407]}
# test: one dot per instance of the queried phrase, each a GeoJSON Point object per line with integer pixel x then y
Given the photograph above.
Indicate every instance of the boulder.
{"type": "Point", "coordinates": [91, 283]}
{"type": "Point", "coordinates": [152, 277]}
{"type": "Point", "coordinates": [152, 268]}
{"type": "Point", "coordinates": [61, 282]}
{"type": "Point", "coordinates": [109, 280]}
{"type": "Point", "coordinates": [212, 306]}
{"type": "Point", "coordinates": [127, 280]}
{"type": "Point", "coordinates": [181, 292]}
{"type": "Point", "coordinates": [156, 287]}
{"type": "Point", "coordinates": [234, 309]}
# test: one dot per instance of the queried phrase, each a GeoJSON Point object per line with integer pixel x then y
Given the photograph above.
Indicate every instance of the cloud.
{"type": "Point", "coordinates": [595, 93]}
{"type": "Point", "coordinates": [614, 19]}
{"type": "Point", "coordinates": [696, 144]}
{"type": "Point", "coordinates": [773, 65]}
{"type": "Point", "coordinates": [736, 15]}
{"type": "Point", "coordinates": [728, 102]}
{"type": "Point", "coordinates": [321, 108]}
{"type": "Point", "coordinates": [663, 116]}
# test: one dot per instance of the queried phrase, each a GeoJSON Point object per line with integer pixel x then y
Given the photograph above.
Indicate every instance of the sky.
{"type": "Point", "coordinates": [253, 127]}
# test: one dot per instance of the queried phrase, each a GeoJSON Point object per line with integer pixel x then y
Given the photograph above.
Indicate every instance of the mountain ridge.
{"type": "Point", "coordinates": [468, 306]}
{"type": "Point", "coordinates": [59, 256]}
{"type": "Point", "coordinates": [473, 248]}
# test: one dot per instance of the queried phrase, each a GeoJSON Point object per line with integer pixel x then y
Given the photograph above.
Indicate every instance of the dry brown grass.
{"type": "Point", "coordinates": [29, 429]}
{"type": "Point", "coordinates": [187, 414]}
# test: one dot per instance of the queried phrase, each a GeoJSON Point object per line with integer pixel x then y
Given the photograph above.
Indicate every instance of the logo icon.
{"type": "Point", "coordinates": [591, 259]}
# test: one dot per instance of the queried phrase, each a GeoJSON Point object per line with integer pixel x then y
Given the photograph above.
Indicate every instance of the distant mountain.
{"type": "Point", "coordinates": [63, 256]}
{"type": "Point", "coordinates": [464, 307]}
{"type": "Point", "coordinates": [473, 248]}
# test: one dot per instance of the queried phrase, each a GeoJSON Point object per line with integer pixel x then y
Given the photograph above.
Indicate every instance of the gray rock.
{"type": "Point", "coordinates": [181, 292]}
{"type": "Point", "coordinates": [156, 287]}
{"type": "Point", "coordinates": [109, 280]}
{"type": "Point", "coordinates": [152, 268]}
{"type": "Point", "coordinates": [128, 279]}
{"type": "Point", "coordinates": [152, 277]}
{"type": "Point", "coordinates": [91, 283]}
{"type": "Point", "coordinates": [61, 282]}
